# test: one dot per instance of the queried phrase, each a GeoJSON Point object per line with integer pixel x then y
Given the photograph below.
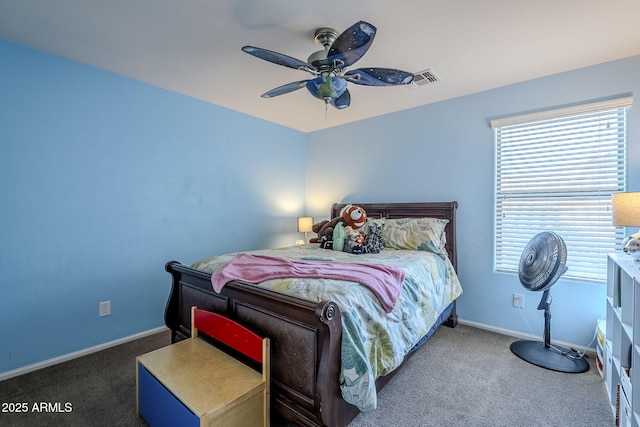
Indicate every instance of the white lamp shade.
{"type": "Point", "coordinates": [625, 209]}
{"type": "Point", "coordinates": [304, 224]}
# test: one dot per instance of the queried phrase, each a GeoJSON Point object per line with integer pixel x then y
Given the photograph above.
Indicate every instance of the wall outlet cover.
{"type": "Point", "coordinates": [104, 309]}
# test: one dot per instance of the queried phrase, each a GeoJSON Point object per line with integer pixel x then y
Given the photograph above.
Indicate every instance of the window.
{"type": "Point", "coordinates": [556, 171]}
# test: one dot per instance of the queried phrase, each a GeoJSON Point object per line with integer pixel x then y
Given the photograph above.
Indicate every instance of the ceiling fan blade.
{"type": "Point", "coordinates": [278, 58]}
{"type": "Point", "coordinates": [343, 101]}
{"type": "Point", "coordinates": [327, 87]}
{"type": "Point", "coordinates": [281, 90]}
{"type": "Point", "coordinates": [352, 44]}
{"type": "Point", "coordinates": [379, 77]}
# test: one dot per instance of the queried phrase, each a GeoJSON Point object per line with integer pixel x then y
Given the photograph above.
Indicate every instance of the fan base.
{"type": "Point", "coordinates": [537, 353]}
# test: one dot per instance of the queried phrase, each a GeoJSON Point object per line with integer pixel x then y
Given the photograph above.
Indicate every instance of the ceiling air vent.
{"type": "Point", "coordinates": [425, 77]}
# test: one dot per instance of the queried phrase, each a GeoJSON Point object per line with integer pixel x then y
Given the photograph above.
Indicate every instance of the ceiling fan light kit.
{"type": "Point", "coordinates": [328, 66]}
{"type": "Point", "coordinates": [325, 37]}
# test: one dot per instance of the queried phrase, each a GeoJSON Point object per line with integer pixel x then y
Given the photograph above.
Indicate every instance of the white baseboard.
{"type": "Point", "coordinates": [70, 356]}
{"type": "Point", "coordinates": [521, 335]}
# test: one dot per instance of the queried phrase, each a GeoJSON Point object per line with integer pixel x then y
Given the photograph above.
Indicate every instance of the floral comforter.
{"type": "Point", "coordinates": [374, 342]}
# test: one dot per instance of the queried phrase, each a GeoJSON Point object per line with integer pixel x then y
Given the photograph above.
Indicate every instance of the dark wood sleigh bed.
{"type": "Point", "coordinates": [305, 335]}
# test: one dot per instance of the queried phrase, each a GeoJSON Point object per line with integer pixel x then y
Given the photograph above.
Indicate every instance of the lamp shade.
{"type": "Point", "coordinates": [625, 209]}
{"type": "Point", "coordinates": [304, 224]}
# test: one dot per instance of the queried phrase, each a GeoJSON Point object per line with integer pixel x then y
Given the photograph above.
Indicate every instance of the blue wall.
{"type": "Point", "coordinates": [103, 180]}
{"type": "Point", "coordinates": [445, 151]}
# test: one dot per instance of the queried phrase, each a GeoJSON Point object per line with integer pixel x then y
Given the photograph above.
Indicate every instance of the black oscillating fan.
{"type": "Point", "coordinates": [541, 265]}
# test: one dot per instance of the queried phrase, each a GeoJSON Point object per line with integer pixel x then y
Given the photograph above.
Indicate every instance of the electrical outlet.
{"type": "Point", "coordinates": [104, 309]}
{"type": "Point", "coordinates": [518, 300]}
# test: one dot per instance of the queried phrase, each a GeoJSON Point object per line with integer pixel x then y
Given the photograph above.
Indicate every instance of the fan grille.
{"type": "Point", "coordinates": [543, 261]}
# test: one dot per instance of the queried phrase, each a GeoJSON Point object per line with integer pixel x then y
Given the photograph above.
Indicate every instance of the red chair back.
{"type": "Point", "coordinates": [227, 332]}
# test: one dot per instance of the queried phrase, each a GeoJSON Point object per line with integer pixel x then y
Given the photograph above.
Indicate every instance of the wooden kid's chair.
{"type": "Point", "coordinates": [192, 383]}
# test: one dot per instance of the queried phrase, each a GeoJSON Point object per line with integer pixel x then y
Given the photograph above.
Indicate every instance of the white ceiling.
{"type": "Point", "coordinates": [193, 46]}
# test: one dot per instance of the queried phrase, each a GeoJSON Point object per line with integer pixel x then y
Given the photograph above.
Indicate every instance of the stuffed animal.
{"type": "Point", "coordinates": [339, 238]}
{"type": "Point", "coordinates": [351, 215]}
{"type": "Point", "coordinates": [353, 241]}
{"type": "Point", "coordinates": [324, 230]}
{"type": "Point", "coordinates": [357, 246]}
{"type": "Point", "coordinates": [373, 242]}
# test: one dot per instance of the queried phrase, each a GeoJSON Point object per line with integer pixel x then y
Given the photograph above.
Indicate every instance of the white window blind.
{"type": "Point", "coordinates": [556, 171]}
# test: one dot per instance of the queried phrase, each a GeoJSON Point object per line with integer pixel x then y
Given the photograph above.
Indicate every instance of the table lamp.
{"type": "Point", "coordinates": [625, 209]}
{"type": "Point", "coordinates": [305, 224]}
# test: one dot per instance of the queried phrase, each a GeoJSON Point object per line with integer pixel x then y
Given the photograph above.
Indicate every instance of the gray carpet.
{"type": "Point", "coordinates": [461, 377]}
{"type": "Point", "coordinates": [100, 387]}
{"type": "Point", "coordinates": [469, 377]}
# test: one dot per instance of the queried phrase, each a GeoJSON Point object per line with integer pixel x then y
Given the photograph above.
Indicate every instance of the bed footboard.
{"type": "Point", "coordinates": [305, 340]}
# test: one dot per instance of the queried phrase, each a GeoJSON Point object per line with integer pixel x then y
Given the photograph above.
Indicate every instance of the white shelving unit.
{"type": "Point", "coordinates": [622, 360]}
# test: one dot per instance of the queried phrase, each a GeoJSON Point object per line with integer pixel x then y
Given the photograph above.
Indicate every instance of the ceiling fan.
{"type": "Point", "coordinates": [328, 66]}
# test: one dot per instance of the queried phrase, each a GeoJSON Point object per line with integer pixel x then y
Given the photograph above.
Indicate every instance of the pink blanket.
{"type": "Point", "coordinates": [384, 281]}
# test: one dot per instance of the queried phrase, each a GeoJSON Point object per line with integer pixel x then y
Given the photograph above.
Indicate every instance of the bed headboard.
{"type": "Point", "coordinates": [444, 210]}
